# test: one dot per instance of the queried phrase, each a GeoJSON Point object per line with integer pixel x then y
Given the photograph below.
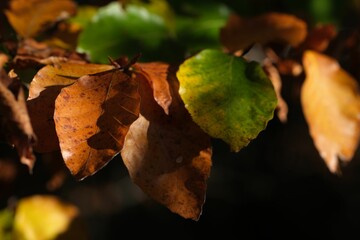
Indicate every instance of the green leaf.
{"type": "Point", "coordinates": [200, 28]}
{"type": "Point", "coordinates": [228, 97]}
{"type": "Point", "coordinates": [6, 224]}
{"type": "Point", "coordinates": [115, 31]}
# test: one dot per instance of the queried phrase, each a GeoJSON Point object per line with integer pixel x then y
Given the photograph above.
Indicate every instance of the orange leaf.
{"type": "Point", "coordinates": [239, 33]}
{"type": "Point", "coordinates": [168, 156]}
{"type": "Point", "coordinates": [44, 88]}
{"type": "Point", "coordinates": [15, 119]}
{"type": "Point", "coordinates": [92, 117]}
{"type": "Point", "coordinates": [30, 17]}
{"type": "Point", "coordinates": [156, 74]}
{"type": "Point", "coordinates": [331, 105]}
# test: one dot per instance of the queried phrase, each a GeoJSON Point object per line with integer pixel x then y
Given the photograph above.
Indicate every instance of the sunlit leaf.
{"type": "Point", "coordinates": [30, 17]}
{"type": "Point", "coordinates": [156, 74]}
{"type": "Point", "coordinates": [42, 217]}
{"type": "Point", "coordinates": [44, 88]}
{"type": "Point", "coordinates": [239, 33]}
{"type": "Point", "coordinates": [15, 122]}
{"type": "Point", "coordinates": [331, 105]}
{"type": "Point", "coordinates": [123, 32]}
{"type": "Point", "coordinates": [92, 117]}
{"type": "Point", "coordinates": [168, 156]}
{"type": "Point", "coordinates": [228, 97]}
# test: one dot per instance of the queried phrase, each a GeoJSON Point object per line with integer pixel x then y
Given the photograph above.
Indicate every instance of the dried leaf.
{"type": "Point", "coordinates": [31, 53]}
{"type": "Point", "coordinates": [239, 33]}
{"type": "Point", "coordinates": [44, 88]}
{"type": "Point", "coordinates": [30, 17]}
{"type": "Point", "coordinates": [331, 105]}
{"type": "Point", "coordinates": [156, 74]}
{"type": "Point", "coordinates": [274, 76]}
{"type": "Point", "coordinates": [92, 117]}
{"type": "Point", "coordinates": [168, 156]}
{"type": "Point", "coordinates": [15, 123]}
{"type": "Point", "coordinates": [320, 37]}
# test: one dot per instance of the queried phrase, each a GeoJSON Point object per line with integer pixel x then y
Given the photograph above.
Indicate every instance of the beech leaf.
{"type": "Point", "coordinates": [92, 117]}
{"type": "Point", "coordinates": [239, 33]}
{"type": "Point", "coordinates": [331, 105]}
{"type": "Point", "coordinates": [228, 97]}
{"type": "Point", "coordinates": [15, 122]}
{"type": "Point", "coordinates": [168, 156]}
{"type": "Point", "coordinates": [44, 88]}
{"type": "Point", "coordinates": [35, 212]}
{"type": "Point", "coordinates": [30, 17]}
{"type": "Point", "coordinates": [156, 74]}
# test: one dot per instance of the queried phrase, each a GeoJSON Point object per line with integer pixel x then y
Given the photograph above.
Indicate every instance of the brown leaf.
{"type": "Point", "coordinates": [156, 74]}
{"type": "Point", "coordinates": [274, 76]}
{"type": "Point", "coordinates": [44, 88]}
{"type": "Point", "coordinates": [30, 17]}
{"type": "Point", "coordinates": [14, 122]}
{"type": "Point", "coordinates": [319, 37]}
{"type": "Point", "coordinates": [31, 53]}
{"type": "Point", "coordinates": [331, 105]}
{"type": "Point", "coordinates": [168, 156]}
{"type": "Point", "coordinates": [92, 117]}
{"type": "Point", "coordinates": [239, 33]}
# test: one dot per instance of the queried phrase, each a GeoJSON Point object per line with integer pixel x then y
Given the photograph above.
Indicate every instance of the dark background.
{"type": "Point", "coordinates": [278, 186]}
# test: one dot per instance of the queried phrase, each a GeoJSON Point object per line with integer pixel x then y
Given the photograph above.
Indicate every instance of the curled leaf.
{"type": "Point", "coordinates": [228, 97]}
{"type": "Point", "coordinates": [156, 74]}
{"type": "Point", "coordinates": [92, 117]}
{"type": "Point", "coordinates": [168, 156]}
{"type": "Point", "coordinates": [239, 33]}
{"type": "Point", "coordinates": [331, 105]}
{"type": "Point", "coordinates": [15, 122]}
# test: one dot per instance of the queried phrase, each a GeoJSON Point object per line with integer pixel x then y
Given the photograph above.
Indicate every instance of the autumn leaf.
{"type": "Point", "coordinates": [156, 74]}
{"type": "Point", "coordinates": [239, 33]}
{"type": "Point", "coordinates": [228, 97]}
{"type": "Point", "coordinates": [168, 156]}
{"type": "Point", "coordinates": [30, 17]}
{"type": "Point", "coordinates": [331, 105]}
{"type": "Point", "coordinates": [31, 53]}
{"type": "Point", "coordinates": [43, 217]}
{"type": "Point", "coordinates": [319, 37]}
{"type": "Point", "coordinates": [44, 88]}
{"type": "Point", "coordinates": [14, 119]}
{"type": "Point", "coordinates": [92, 117]}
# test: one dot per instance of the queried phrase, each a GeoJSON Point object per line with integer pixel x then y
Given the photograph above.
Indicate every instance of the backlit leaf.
{"type": "Point", "coordinates": [123, 32]}
{"type": "Point", "coordinates": [228, 97]}
{"type": "Point", "coordinates": [168, 156]}
{"type": "Point", "coordinates": [239, 33]}
{"type": "Point", "coordinates": [42, 217]}
{"type": "Point", "coordinates": [30, 17]}
{"type": "Point", "coordinates": [156, 74]}
{"type": "Point", "coordinates": [44, 88]}
{"type": "Point", "coordinates": [92, 117]}
{"type": "Point", "coordinates": [331, 105]}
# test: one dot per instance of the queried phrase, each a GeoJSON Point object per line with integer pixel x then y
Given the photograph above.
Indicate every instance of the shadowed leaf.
{"type": "Point", "coordinates": [44, 88]}
{"type": "Point", "coordinates": [331, 105]}
{"type": "Point", "coordinates": [15, 123]}
{"type": "Point", "coordinates": [168, 156]}
{"type": "Point", "coordinates": [239, 33]}
{"type": "Point", "coordinates": [92, 117]}
{"type": "Point", "coordinates": [228, 97]}
{"type": "Point", "coordinates": [30, 17]}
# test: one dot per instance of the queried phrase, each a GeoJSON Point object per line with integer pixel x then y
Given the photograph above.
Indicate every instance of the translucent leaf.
{"type": "Point", "coordinates": [228, 97]}
{"type": "Point", "coordinates": [331, 105]}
